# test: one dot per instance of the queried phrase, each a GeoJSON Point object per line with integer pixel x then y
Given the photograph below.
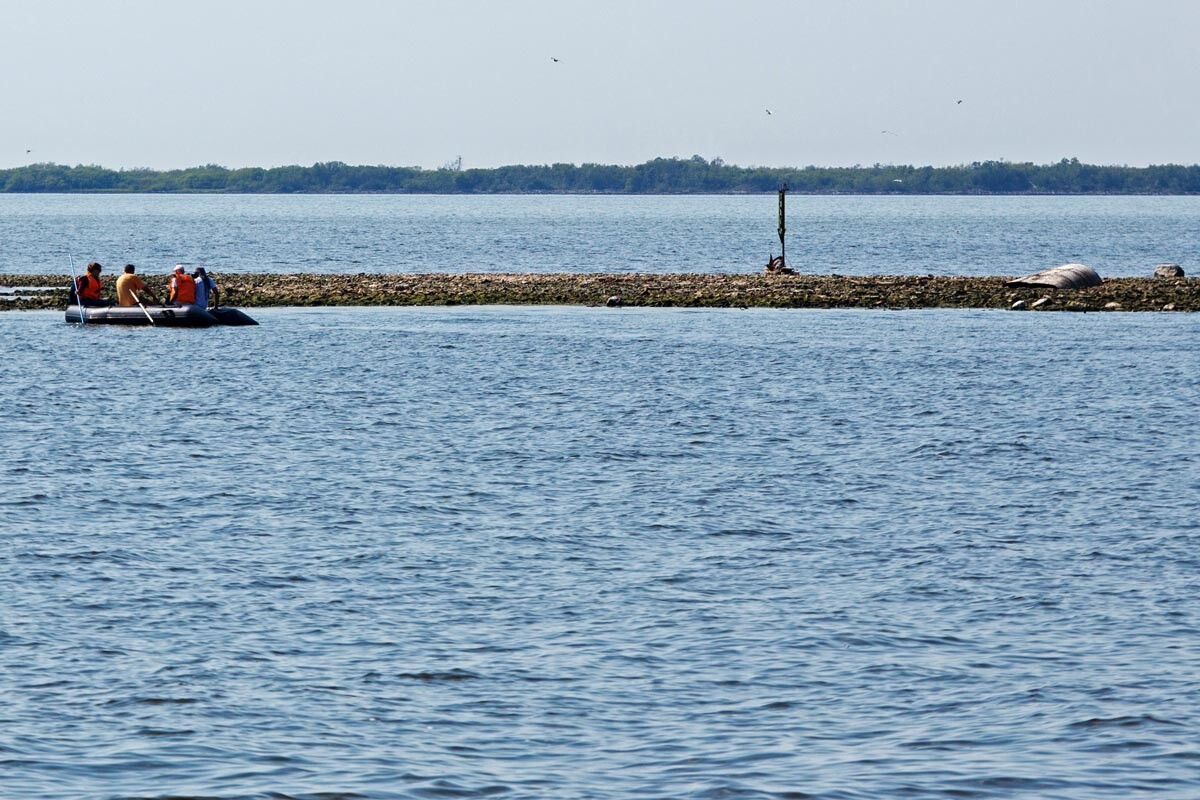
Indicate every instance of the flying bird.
{"type": "Point", "coordinates": [555, 60]}
{"type": "Point", "coordinates": [959, 103]}
{"type": "Point", "coordinates": [889, 133]}
{"type": "Point", "coordinates": [769, 114]}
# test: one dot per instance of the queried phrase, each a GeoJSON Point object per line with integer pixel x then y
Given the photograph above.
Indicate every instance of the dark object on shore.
{"type": "Point", "coordinates": [1168, 271]}
{"type": "Point", "coordinates": [1068, 276]}
{"type": "Point", "coordinates": [614, 302]}
{"type": "Point", "coordinates": [158, 316]}
{"type": "Point", "coordinates": [776, 267]}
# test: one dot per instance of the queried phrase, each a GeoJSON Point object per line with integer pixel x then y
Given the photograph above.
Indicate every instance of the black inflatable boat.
{"type": "Point", "coordinates": [184, 316]}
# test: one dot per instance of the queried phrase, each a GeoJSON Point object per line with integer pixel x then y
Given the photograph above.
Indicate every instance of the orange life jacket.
{"type": "Point", "coordinates": [183, 289]}
{"type": "Point", "coordinates": [88, 287]}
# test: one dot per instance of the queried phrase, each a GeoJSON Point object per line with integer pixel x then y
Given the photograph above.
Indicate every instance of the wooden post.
{"type": "Point", "coordinates": [782, 223]}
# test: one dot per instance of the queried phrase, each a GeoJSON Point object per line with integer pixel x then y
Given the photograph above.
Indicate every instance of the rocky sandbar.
{"type": "Point", "coordinates": [250, 290]}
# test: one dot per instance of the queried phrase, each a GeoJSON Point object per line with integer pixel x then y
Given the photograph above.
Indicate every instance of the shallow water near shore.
{"type": "Point", "coordinates": [562, 552]}
{"type": "Point", "coordinates": [851, 235]}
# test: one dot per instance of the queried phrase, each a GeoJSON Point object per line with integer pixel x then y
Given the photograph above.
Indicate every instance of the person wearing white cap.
{"type": "Point", "coordinates": [182, 287]}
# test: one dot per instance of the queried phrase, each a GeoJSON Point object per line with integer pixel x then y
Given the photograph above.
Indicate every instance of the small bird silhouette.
{"type": "Point", "coordinates": [769, 114]}
{"type": "Point", "coordinates": [889, 133]}
{"type": "Point", "coordinates": [28, 151]}
{"type": "Point", "coordinates": [959, 103]}
{"type": "Point", "coordinates": [555, 60]}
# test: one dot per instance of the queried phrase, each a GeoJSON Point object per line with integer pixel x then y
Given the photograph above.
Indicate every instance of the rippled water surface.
{"type": "Point", "coordinates": [593, 553]}
{"type": "Point", "coordinates": [1118, 236]}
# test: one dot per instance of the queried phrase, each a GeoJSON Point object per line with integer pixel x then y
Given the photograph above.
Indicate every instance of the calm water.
{"type": "Point", "coordinates": [592, 553]}
{"type": "Point", "coordinates": [389, 233]}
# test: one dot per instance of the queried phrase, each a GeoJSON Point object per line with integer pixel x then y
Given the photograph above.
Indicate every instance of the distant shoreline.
{"type": "Point", "coordinates": [220, 193]}
{"type": "Point", "coordinates": [660, 176]}
{"type": "Point", "coordinates": [692, 290]}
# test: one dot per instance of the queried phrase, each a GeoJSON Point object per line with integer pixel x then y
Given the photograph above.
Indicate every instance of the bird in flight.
{"type": "Point", "coordinates": [555, 60]}
{"type": "Point", "coordinates": [769, 114]}
{"type": "Point", "coordinates": [889, 133]}
{"type": "Point", "coordinates": [959, 103]}
{"type": "Point", "coordinates": [28, 151]}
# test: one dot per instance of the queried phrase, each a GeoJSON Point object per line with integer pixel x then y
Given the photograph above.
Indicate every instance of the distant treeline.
{"type": "Point", "coordinates": [695, 175]}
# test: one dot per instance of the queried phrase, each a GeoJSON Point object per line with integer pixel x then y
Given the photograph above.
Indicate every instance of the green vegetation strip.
{"type": "Point", "coordinates": [695, 175]}
{"type": "Point", "coordinates": [686, 290]}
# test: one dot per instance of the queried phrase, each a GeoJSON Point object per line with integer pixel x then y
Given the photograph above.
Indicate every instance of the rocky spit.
{"type": "Point", "coordinates": [614, 290]}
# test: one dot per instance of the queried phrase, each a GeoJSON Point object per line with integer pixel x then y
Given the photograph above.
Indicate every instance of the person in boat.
{"type": "Point", "coordinates": [88, 287]}
{"type": "Point", "coordinates": [181, 287]}
{"type": "Point", "coordinates": [206, 289]}
{"type": "Point", "coordinates": [131, 288]}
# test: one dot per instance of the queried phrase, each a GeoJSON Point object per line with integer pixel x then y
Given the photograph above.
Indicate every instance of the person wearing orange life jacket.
{"type": "Point", "coordinates": [88, 287]}
{"type": "Point", "coordinates": [182, 287]}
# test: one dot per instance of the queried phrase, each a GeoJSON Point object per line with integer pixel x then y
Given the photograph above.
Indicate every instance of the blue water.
{"type": "Point", "coordinates": [852, 235]}
{"type": "Point", "coordinates": [593, 553]}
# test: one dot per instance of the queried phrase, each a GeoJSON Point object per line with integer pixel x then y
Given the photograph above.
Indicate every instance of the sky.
{"type": "Point", "coordinates": [267, 83]}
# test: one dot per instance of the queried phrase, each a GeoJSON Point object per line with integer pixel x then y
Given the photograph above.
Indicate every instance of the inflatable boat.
{"type": "Point", "coordinates": [184, 316]}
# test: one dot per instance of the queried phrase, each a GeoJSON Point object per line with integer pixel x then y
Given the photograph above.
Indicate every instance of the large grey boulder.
{"type": "Point", "coordinates": [1168, 271]}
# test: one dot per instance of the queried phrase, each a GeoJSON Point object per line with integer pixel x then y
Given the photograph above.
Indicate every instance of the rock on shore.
{"type": "Point", "coordinates": [693, 290]}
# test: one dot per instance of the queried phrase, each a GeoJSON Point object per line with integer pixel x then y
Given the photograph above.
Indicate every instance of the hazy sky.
{"type": "Point", "coordinates": [259, 82]}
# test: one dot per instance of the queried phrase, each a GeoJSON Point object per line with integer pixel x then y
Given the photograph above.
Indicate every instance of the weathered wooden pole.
{"type": "Point", "coordinates": [782, 223]}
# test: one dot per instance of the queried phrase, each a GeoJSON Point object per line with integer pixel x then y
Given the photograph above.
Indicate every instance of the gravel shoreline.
{"type": "Point", "coordinates": [247, 290]}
